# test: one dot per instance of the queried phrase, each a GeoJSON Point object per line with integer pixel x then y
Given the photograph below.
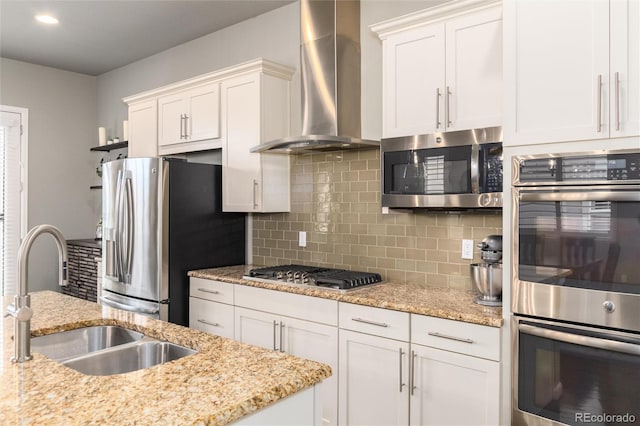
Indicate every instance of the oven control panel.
{"type": "Point", "coordinates": [579, 168]}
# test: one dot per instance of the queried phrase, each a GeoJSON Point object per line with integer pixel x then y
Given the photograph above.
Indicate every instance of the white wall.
{"type": "Point", "coordinates": [62, 128]}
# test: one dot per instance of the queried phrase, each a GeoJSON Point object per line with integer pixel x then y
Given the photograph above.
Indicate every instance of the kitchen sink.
{"type": "Point", "coordinates": [107, 350]}
{"type": "Point", "coordinates": [131, 357]}
{"type": "Point", "coordinates": [81, 341]}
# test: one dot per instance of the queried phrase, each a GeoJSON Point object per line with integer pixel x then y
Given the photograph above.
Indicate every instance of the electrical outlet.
{"type": "Point", "coordinates": [302, 239]}
{"type": "Point", "coordinates": [467, 249]}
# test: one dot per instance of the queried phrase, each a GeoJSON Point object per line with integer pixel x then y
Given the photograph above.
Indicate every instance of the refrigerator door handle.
{"type": "Point", "coordinates": [130, 229]}
{"type": "Point", "coordinates": [118, 228]}
{"type": "Point", "coordinates": [112, 304]}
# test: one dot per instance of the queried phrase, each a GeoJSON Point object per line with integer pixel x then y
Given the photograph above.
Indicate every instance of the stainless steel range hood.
{"type": "Point", "coordinates": [330, 68]}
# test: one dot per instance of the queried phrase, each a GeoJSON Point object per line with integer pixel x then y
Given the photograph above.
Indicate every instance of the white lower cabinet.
{"type": "Point", "coordinates": [453, 389]}
{"type": "Point", "coordinates": [373, 377]}
{"type": "Point", "coordinates": [211, 307]}
{"type": "Point", "coordinates": [277, 331]}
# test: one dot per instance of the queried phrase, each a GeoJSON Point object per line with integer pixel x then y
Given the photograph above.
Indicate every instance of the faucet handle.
{"type": "Point", "coordinates": [21, 314]}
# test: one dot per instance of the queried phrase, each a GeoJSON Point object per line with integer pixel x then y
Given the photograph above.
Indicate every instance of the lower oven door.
{"type": "Point", "coordinates": [574, 375]}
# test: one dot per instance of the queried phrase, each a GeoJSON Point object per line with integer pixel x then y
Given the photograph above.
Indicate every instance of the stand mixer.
{"type": "Point", "coordinates": [487, 276]}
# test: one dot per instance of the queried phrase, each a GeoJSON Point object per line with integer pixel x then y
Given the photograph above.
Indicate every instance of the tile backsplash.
{"type": "Point", "coordinates": [335, 199]}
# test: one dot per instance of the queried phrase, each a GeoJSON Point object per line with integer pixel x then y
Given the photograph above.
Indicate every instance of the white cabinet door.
{"type": "Point", "coordinates": [257, 328]}
{"type": "Point", "coordinates": [413, 82]}
{"type": "Point", "coordinates": [242, 175]}
{"type": "Point", "coordinates": [473, 92]}
{"type": "Point", "coordinates": [143, 129]}
{"type": "Point", "coordinates": [212, 317]}
{"type": "Point", "coordinates": [373, 377]}
{"type": "Point", "coordinates": [316, 342]}
{"type": "Point", "coordinates": [557, 66]}
{"type": "Point", "coordinates": [203, 116]}
{"type": "Point", "coordinates": [453, 389]}
{"type": "Point", "coordinates": [171, 121]}
{"type": "Point", "coordinates": [625, 68]}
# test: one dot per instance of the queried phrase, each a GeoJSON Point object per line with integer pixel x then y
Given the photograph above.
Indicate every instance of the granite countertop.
{"type": "Point", "coordinates": [223, 382]}
{"type": "Point", "coordinates": [414, 298]}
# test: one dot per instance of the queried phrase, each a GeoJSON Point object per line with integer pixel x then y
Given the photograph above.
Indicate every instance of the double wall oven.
{"type": "Point", "coordinates": [576, 289]}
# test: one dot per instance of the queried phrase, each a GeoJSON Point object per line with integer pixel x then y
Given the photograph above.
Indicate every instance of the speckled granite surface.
{"type": "Point", "coordinates": [406, 297]}
{"type": "Point", "coordinates": [223, 382]}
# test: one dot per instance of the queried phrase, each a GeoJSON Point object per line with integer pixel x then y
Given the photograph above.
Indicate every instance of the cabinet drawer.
{"type": "Point", "coordinates": [376, 321]}
{"type": "Point", "coordinates": [456, 336]}
{"type": "Point", "coordinates": [309, 308]}
{"type": "Point", "coordinates": [216, 291]}
{"type": "Point", "coordinates": [212, 317]}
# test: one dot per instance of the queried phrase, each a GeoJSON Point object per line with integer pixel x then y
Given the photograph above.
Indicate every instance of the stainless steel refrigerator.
{"type": "Point", "coordinates": [161, 218]}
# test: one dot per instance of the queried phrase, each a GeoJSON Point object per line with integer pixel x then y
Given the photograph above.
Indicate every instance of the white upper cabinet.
{"type": "Point", "coordinates": [143, 128]}
{"type": "Point", "coordinates": [255, 109]}
{"type": "Point", "coordinates": [442, 69]}
{"type": "Point", "coordinates": [190, 115]}
{"type": "Point", "coordinates": [571, 70]}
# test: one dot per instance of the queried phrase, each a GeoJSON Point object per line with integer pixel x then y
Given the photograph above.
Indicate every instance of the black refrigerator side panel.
{"type": "Point", "coordinates": [200, 234]}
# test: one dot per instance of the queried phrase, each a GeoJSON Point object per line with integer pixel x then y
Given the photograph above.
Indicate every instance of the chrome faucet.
{"type": "Point", "coordinates": [20, 309]}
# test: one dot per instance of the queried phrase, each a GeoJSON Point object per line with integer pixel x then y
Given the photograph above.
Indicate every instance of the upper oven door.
{"type": "Point", "coordinates": [578, 244]}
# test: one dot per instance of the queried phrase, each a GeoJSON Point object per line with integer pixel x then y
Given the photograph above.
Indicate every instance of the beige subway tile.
{"type": "Point", "coordinates": [358, 250]}
{"type": "Point", "coordinates": [415, 254]}
{"type": "Point", "coordinates": [416, 277]}
{"type": "Point", "coordinates": [446, 244]}
{"type": "Point", "coordinates": [423, 219]}
{"type": "Point", "coordinates": [376, 229]}
{"type": "Point", "coordinates": [436, 256]}
{"type": "Point", "coordinates": [342, 248]}
{"type": "Point", "coordinates": [344, 228]}
{"type": "Point", "coordinates": [406, 265]}
{"type": "Point", "coordinates": [258, 260]}
{"type": "Point", "coordinates": [437, 280]}
{"type": "Point", "coordinates": [367, 218]}
{"type": "Point", "coordinates": [351, 260]}
{"type": "Point", "coordinates": [351, 176]}
{"type": "Point", "coordinates": [456, 232]}
{"type": "Point", "coordinates": [396, 275]}
{"type": "Point", "coordinates": [493, 221]}
{"type": "Point", "coordinates": [376, 251]}
{"type": "Point", "coordinates": [448, 269]}
{"type": "Point", "coordinates": [369, 154]}
{"type": "Point", "coordinates": [358, 165]}
{"type": "Point", "coordinates": [350, 218]}
{"type": "Point", "coordinates": [368, 175]}
{"type": "Point", "coordinates": [368, 262]}
{"type": "Point", "coordinates": [334, 258]}
{"type": "Point", "coordinates": [427, 243]}
{"type": "Point", "coordinates": [386, 241]}
{"type": "Point", "coordinates": [397, 253]}
{"type": "Point", "coordinates": [460, 283]}
{"type": "Point", "coordinates": [351, 197]}
{"type": "Point", "coordinates": [357, 186]}
{"type": "Point", "coordinates": [351, 239]}
{"type": "Point", "coordinates": [358, 208]}
{"type": "Point", "coordinates": [358, 229]}
{"type": "Point", "coordinates": [430, 267]}
{"type": "Point", "coordinates": [368, 240]}
{"type": "Point", "coordinates": [263, 251]}
{"type": "Point", "coordinates": [373, 164]}
{"type": "Point", "coordinates": [397, 230]}
{"type": "Point", "coordinates": [472, 220]}
{"type": "Point", "coordinates": [283, 244]}
{"type": "Point", "coordinates": [437, 232]}
{"type": "Point", "coordinates": [368, 197]}
{"type": "Point", "coordinates": [386, 263]}
{"type": "Point", "coordinates": [407, 242]}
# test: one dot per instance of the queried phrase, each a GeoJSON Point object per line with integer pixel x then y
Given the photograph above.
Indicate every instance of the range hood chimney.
{"type": "Point", "coordinates": [330, 68]}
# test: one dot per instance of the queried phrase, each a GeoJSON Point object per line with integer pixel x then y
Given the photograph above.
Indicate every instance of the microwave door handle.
{"type": "Point", "coordinates": [577, 339]}
{"type": "Point", "coordinates": [475, 175]}
{"type": "Point", "coordinates": [583, 194]}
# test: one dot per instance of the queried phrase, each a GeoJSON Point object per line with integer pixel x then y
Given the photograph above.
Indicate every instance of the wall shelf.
{"type": "Point", "coordinates": [111, 147]}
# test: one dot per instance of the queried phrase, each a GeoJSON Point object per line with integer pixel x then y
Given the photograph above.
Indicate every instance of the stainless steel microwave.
{"type": "Point", "coordinates": [452, 170]}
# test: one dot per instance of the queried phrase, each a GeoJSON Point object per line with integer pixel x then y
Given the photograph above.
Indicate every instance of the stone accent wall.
{"type": "Point", "coordinates": [336, 200]}
{"type": "Point", "coordinates": [82, 270]}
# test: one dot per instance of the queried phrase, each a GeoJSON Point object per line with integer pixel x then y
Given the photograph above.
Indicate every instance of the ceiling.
{"type": "Point", "coordinates": [96, 36]}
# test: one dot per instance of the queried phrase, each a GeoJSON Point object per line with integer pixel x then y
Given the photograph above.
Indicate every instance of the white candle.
{"type": "Point", "coordinates": [125, 130]}
{"type": "Point", "coordinates": [102, 136]}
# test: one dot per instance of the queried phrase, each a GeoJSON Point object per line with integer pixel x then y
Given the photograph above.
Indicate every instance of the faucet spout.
{"type": "Point", "coordinates": [21, 307]}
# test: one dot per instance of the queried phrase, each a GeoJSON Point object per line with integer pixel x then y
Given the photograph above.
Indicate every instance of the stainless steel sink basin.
{"type": "Point", "coordinates": [81, 341]}
{"type": "Point", "coordinates": [105, 350]}
{"type": "Point", "coordinates": [131, 357]}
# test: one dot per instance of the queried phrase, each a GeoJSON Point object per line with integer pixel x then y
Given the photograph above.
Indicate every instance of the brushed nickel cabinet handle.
{"type": "Point", "coordinates": [181, 126]}
{"type": "Point", "coordinates": [281, 336]}
{"type": "Point", "coordinates": [446, 336]}
{"type": "Point", "coordinates": [204, 290]}
{"type": "Point", "coordinates": [617, 100]}
{"type": "Point", "coordinates": [255, 196]}
{"type": "Point", "coordinates": [365, 321]}
{"type": "Point", "coordinates": [438, 96]}
{"type": "Point", "coordinates": [412, 372]}
{"type": "Point", "coordinates": [275, 325]}
{"type": "Point", "coordinates": [599, 105]}
{"type": "Point", "coordinates": [447, 113]}
{"type": "Point", "coordinates": [400, 354]}
{"type": "Point", "coordinates": [213, 324]}
{"type": "Point", "coordinates": [187, 127]}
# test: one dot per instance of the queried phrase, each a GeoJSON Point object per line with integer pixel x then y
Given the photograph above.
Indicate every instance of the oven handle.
{"type": "Point", "coordinates": [585, 195]}
{"type": "Point", "coordinates": [593, 342]}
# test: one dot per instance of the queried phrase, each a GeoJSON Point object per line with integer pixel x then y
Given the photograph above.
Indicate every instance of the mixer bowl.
{"type": "Point", "coordinates": [487, 277]}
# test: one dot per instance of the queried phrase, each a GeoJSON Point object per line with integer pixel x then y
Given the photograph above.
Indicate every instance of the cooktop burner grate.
{"type": "Point", "coordinates": [340, 279]}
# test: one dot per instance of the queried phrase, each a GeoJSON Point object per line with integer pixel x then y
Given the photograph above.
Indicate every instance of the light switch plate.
{"type": "Point", "coordinates": [467, 249]}
{"type": "Point", "coordinates": [302, 239]}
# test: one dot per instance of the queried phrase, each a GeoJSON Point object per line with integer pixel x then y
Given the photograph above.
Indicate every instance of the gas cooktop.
{"type": "Point", "coordinates": [337, 279]}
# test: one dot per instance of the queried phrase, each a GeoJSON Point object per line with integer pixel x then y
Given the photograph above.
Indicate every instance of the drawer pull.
{"type": "Point", "coordinates": [378, 324]}
{"type": "Point", "coordinates": [213, 324]}
{"type": "Point", "coordinates": [446, 336]}
{"type": "Point", "coordinates": [204, 290]}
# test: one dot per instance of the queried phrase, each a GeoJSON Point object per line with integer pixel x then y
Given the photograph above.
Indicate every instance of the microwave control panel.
{"type": "Point", "coordinates": [491, 160]}
{"type": "Point", "coordinates": [586, 168]}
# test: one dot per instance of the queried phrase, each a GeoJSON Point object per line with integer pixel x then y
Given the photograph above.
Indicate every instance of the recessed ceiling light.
{"type": "Point", "coordinates": [46, 19]}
